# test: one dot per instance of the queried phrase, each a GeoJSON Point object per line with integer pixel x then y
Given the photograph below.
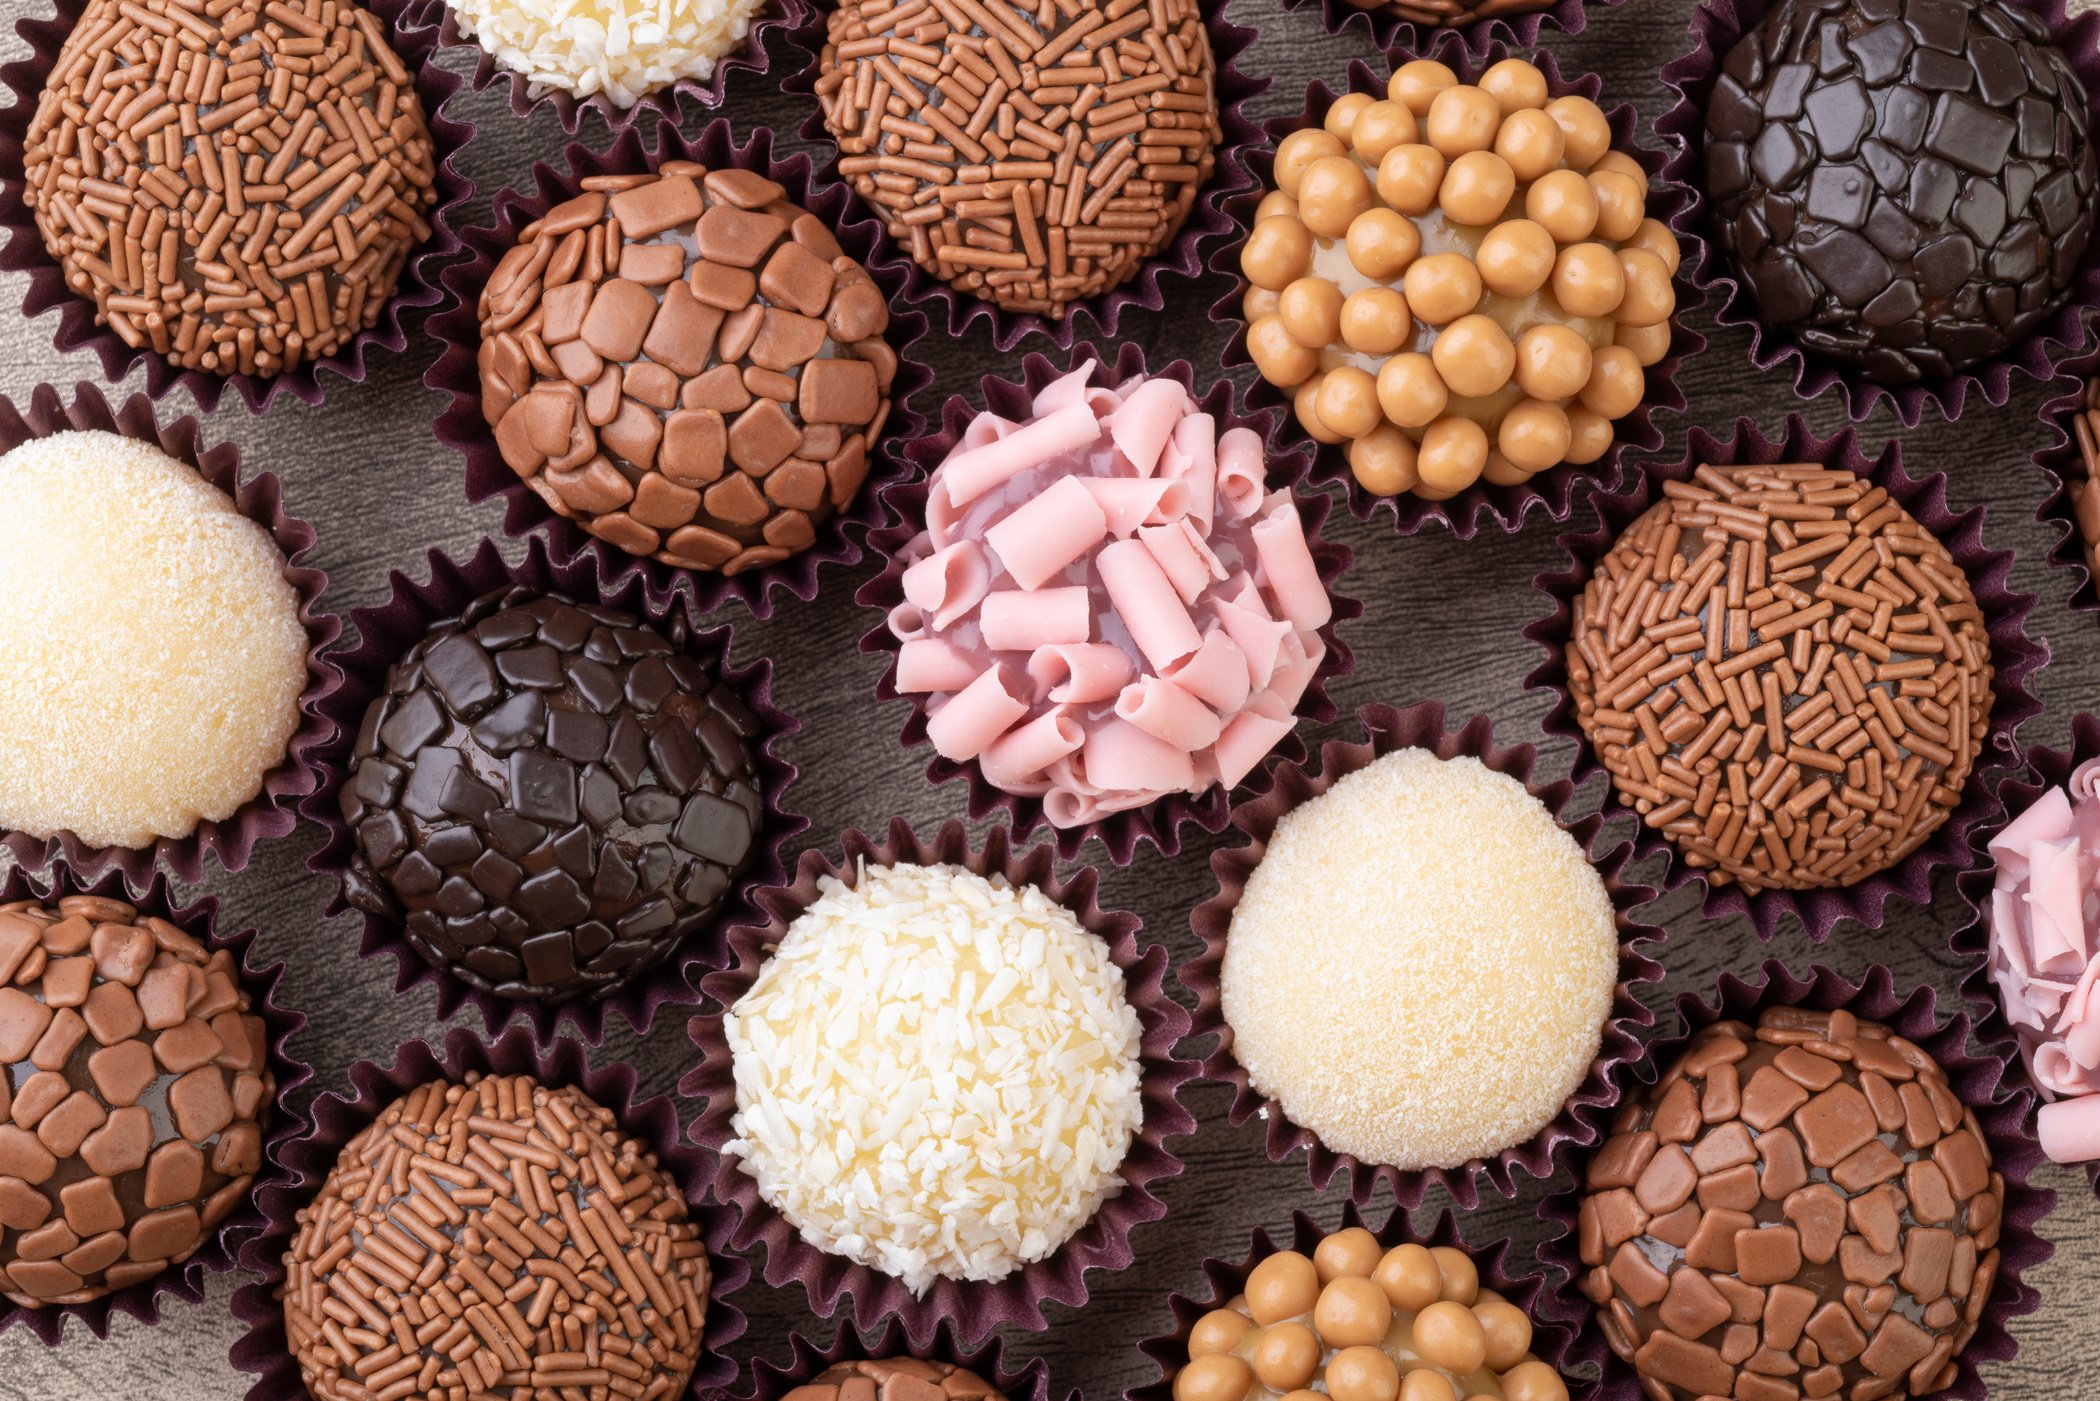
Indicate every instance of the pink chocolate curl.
{"type": "Point", "coordinates": [1146, 615]}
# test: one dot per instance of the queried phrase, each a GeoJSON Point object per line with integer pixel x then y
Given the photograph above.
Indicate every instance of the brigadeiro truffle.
{"type": "Point", "coordinates": [1907, 188]}
{"type": "Point", "coordinates": [237, 186]}
{"type": "Point", "coordinates": [1785, 673]}
{"type": "Point", "coordinates": [687, 365]}
{"type": "Point", "coordinates": [1798, 1208]}
{"type": "Point", "coordinates": [140, 1090]}
{"type": "Point", "coordinates": [895, 1379]}
{"type": "Point", "coordinates": [524, 1240]}
{"type": "Point", "coordinates": [1031, 157]}
{"type": "Point", "coordinates": [550, 796]}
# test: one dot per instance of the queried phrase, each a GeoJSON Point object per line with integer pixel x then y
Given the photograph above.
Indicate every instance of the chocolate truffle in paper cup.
{"type": "Point", "coordinates": [941, 974]}
{"type": "Point", "coordinates": [882, 1365]}
{"type": "Point", "coordinates": [1414, 970]}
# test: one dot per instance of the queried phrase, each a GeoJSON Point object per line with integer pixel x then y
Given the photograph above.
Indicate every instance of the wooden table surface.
{"type": "Point", "coordinates": [1443, 621]}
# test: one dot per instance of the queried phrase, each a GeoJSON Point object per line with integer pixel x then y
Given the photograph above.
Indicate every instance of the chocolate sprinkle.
{"type": "Point", "coordinates": [550, 796]}
{"type": "Point", "coordinates": [1799, 1209]}
{"type": "Point", "coordinates": [1785, 673]}
{"type": "Point", "coordinates": [1031, 156]}
{"type": "Point", "coordinates": [497, 1238]}
{"type": "Point", "coordinates": [1907, 187]}
{"type": "Point", "coordinates": [237, 184]}
{"type": "Point", "coordinates": [131, 1122]}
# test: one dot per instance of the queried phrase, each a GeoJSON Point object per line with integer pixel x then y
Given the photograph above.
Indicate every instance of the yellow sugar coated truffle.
{"type": "Point", "coordinates": [1439, 271]}
{"type": "Point", "coordinates": [155, 655]}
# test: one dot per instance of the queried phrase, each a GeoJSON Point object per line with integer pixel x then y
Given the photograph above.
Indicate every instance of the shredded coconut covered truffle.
{"type": "Point", "coordinates": [625, 49]}
{"type": "Point", "coordinates": [937, 1074]}
{"type": "Point", "coordinates": [151, 655]}
{"type": "Point", "coordinates": [1420, 968]}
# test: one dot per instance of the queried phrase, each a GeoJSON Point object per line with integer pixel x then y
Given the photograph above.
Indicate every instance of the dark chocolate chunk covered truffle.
{"type": "Point", "coordinates": [1799, 1209]}
{"type": "Point", "coordinates": [131, 1122]}
{"type": "Point", "coordinates": [1905, 185]}
{"type": "Point", "coordinates": [550, 796]}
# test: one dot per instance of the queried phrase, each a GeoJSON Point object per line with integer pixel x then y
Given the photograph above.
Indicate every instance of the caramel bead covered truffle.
{"type": "Point", "coordinates": [1802, 1208]}
{"type": "Point", "coordinates": [1459, 281]}
{"type": "Point", "coordinates": [687, 365]}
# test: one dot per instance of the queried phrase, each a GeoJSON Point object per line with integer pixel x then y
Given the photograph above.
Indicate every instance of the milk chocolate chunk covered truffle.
{"type": "Point", "coordinates": [530, 1248]}
{"type": "Point", "coordinates": [134, 1114]}
{"type": "Point", "coordinates": [687, 365]}
{"type": "Point", "coordinates": [237, 185]}
{"type": "Point", "coordinates": [895, 1379]}
{"type": "Point", "coordinates": [550, 796]}
{"type": "Point", "coordinates": [1031, 155]}
{"type": "Point", "coordinates": [1906, 187]}
{"type": "Point", "coordinates": [1785, 674]}
{"type": "Point", "coordinates": [1799, 1209]}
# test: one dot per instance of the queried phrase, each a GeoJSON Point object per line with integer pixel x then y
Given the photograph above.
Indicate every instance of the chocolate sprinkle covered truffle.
{"type": "Point", "coordinates": [1785, 673]}
{"type": "Point", "coordinates": [497, 1238]}
{"type": "Point", "coordinates": [237, 185]}
{"type": "Point", "coordinates": [550, 796]}
{"type": "Point", "coordinates": [132, 1124]}
{"type": "Point", "coordinates": [1907, 185]}
{"type": "Point", "coordinates": [687, 365]}
{"type": "Point", "coordinates": [1032, 155]}
{"type": "Point", "coordinates": [895, 1379]}
{"type": "Point", "coordinates": [1798, 1209]}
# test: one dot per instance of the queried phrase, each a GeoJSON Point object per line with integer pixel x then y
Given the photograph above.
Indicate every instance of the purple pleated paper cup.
{"type": "Point", "coordinates": [1251, 176]}
{"type": "Point", "coordinates": [24, 251]}
{"type": "Point", "coordinates": [219, 1251]}
{"type": "Point", "coordinates": [339, 1115]}
{"type": "Point", "coordinates": [457, 372]}
{"type": "Point", "coordinates": [1170, 270]}
{"type": "Point", "coordinates": [1978, 1077]}
{"type": "Point", "coordinates": [1160, 823]}
{"type": "Point", "coordinates": [2071, 457]}
{"type": "Point", "coordinates": [972, 1310]}
{"type": "Point", "coordinates": [1414, 25]}
{"type": "Point", "coordinates": [808, 1359]}
{"type": "Point", "coordinates": [259, 496]}
{"type": "Point", "coordinates": [1501, 1265]}
{"type": "Point", "coordinates": [2015, 658]}
{"type": "Point", "coordinates": [1580, 1124]}
{"type": "Point", "coordinates": [1714, 29]}
{"type": "Point", "coordinates": [386, 632]}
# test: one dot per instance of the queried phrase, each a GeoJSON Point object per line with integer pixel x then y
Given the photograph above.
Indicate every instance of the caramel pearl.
{"type": "Point", "coordinates": [1380, 127]}
{"type": "Point", "coordinates": [1276, 253]}
{"type": "Point", "coordinates": [1409, 177]}
{"type": "Point", "coordinates": [1534, 436]}
{"type": "Point", "coordinates": [1649, 344]}
{"type": "Point", "coordinates": [1311, 310]}
{"type": "Point", "coordinates": [1582, 122]}
{"type": "Point", "coordinates": [1531, 142]}
{"type": "Point", "coordinates": [1275, 204]}
{"type": "Point", "coordinates": [1348, 402]}
{"type": "Point", "coordinates": [1649, 298]}
{"type": "Point", "coordinates": [1218, 1377]}
{"type": "Point", "coordinates": [1375, 321]}
{"type": "Point", "coordinates": [1332, 192]}
{"type": "Point", "coordinates": [1424, 1385]}
{"type": "Point", "coordinates": [1278, 355]}
{"type": "Point", "coordinates": [1533, 1381]}
{"type": "Point", "coordinates": [1620, 205]}
{"type": "Point", "coordinates": [1286, 1357]}
{"type": "Point", "coordinates": [1283, 1286]}
{"type": "Point", "coordinates": [1383, 461]}
{"type": "Point", "coordinates": [1220, 1330]}
{"type": "Point", "coordinates": [1514, 84]}
{"type": "Point", "coordinates": [1477, 188]}
{"type": "Point", "coordinates": [1443, 287]}
{"type": "Point", "coordinates": [1474, 356]}
{"type": "Point", "coordinates": [1448, 1336]}
{"type": "Point", "coordinates": [1351, 1251]}
{"type": "Point", "coordinates": [1296, 152]}
{"type": "Point", "coordinates": [1616, 382]}
{"type": "Point", "coordinates": [1352, 1312]}
{"type": "Point", "coordinates": [1305, 403]}
{"type": "Point", "coordinates": [1363, 1374]}
{"type": "Point", "coordinates": [1562, 203]}
{"type": "Point", "coordinates": [1590, 435]}
{"type": "Point", "coordinates": [1258, 302]}
{"type": "Point", "coordinates": [1414, 85]}
{"type": "Point", "coordinates": [1409, 1277]}
{"type": "Point", "coordinates": [1461, 1278]}
{"type": "Point", "coordinates": [1508, 1327]}
{"type": "Point", "coordinates": [1516, 258]}
{"type": "Point", "coordinates": [1340, 121]}
{"type": "Point", "coordinates": [1412, 394]}
{"type": "Point", "coordinates": [1553, 362]}
{"type": "Point", "coordinates": [1625, 165]}
{"type": "Point", "coordinates": [1382, 242]}
{"type": "Point", "coordinates": [1463, 119]}
{"type": "Point", "coordinates": [1453, 452]}
{"type": "Point", "coordinates": [1587, 280]}
{"type": "Point", "coordinates": [1500, 471]}
{"type": "Point", "coordinates": [1654, 236]}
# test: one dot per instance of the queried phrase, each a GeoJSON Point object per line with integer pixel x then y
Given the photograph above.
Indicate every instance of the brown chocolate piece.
{"type": "Point", "coordinates": [259, 178]}
{"type": "Point", "coordinates": [1856, 1268]}
{"type": "Point", "coordinates": [895, 1379]}
{"type": "Point", "coordinates": [530, 1248]}
{"type": "Point", "coordinates": [124, 1143]}
{"type": "Point", "coordinates": [661, 333]}
{"type": "Point", "coordinates": [1790, 677]}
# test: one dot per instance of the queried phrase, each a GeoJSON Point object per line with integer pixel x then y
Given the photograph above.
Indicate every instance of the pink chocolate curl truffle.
{"type": "Point", "coordinates": [1106, 605]}
{"type": "Point", "coordinates": [2045, 956]}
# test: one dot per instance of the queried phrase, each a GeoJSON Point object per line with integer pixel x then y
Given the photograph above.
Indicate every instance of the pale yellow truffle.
{"type": "Point", "coordinates": [151, 656]}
